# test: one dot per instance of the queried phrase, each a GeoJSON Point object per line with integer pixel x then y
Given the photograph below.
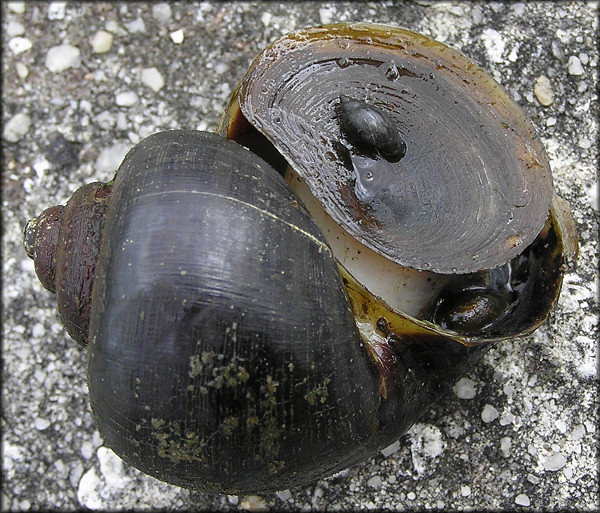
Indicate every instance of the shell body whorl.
{"type": "Point", "coordinates": [222, 355]}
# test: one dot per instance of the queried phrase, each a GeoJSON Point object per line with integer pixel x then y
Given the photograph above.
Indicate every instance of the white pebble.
{"type": "Point", "coordinates": [22, 70]}
{"type": "Point", "coordinates": [113, 27]}
{"type": "Point", "coordinates": [41, 424]}
{"type": "Point", "coordinates": [578, 432]}
{"type": "Point", "coordinates": [105, 120]}
{"type": "Point", "coordinates": [284, 495]}
{"type": "Point", "coordinates": [126, 99]}
{"type": "Point", "coordinates": [102, 41]}
{"type": "Point", "coordinates": [551, 121]}
{"type": "Point", "coordinates": [88, 490]}
{"type": "Point", "coordinates": [136, 25]}
{"type": "Point", "coordinates": [522, 500]}
{"type": "Point", "coordinates": [38, 330]}
{"type": "Point", "coordinates": [465, 490]}
{"type": "Point", "coordinates": [266, 18]}
{"type": "Point", "coordinates": [62, 57]}
{"type": "Point", "coordinates": [161, 12]}
{"type": "Point", "coordinates": [87, 450]}
{"type": "Point", "coordinates": [56, 10]}
{"type": "Point", "coordinates": [17, 127]}
{"type": "Point", "coordinates": [505, 444]}
{"type": "Point", "coordinates": [584, 143]}
{"type": "Point", "coordinates": [561, 425]}
{"type": "Point", "coordinates": [111, 467]}
{"type": "Point", "coordinates": [19, 45]}
{"type": "Point", "coordinates": [494, 44]}
{"type": "Point", "coordinates": [375, 482]}
{"type": "Point", "coordinates": [253, 503]}
{"type": "Point", "coordinates": [17, 7]}
{"type": "Point", "coordinates": [14, 28]}
{"type": "Point", "coordinates": [543, 91]}
{"type": "Point", "coordinates": [391, 449]}
{"type": "Point", "coordinates": [411, 496]}
{"type": "Point", "coordinates": [584, 58]}
{"type": "Point", "coordinates": [110, 158]}
{"type": "Point", "coordinates": [555, 462]}
{"type": "Point", "coordinates": [177, 36]}
{"type": "Point", "coordinates": [489, 413]}
{"type": "Point", "coordinates": [326, 14]}
{"type": "Point", "coordinates": [465, 389]}
{"type": "Point", "coordinates": [152, 78]}
{"type": "Point", "coordinates": [575, 66]}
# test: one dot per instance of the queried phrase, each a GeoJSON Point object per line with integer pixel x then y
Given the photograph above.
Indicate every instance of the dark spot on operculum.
{"type": "Point", "coordinates": [370, 129]}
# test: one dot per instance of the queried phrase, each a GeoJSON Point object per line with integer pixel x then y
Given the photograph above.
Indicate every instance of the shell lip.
{"type": "Point", "coordinates": [475, 185]}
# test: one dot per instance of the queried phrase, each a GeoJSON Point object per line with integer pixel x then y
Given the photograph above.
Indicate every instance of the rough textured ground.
{"type": "Point", "coordinates": [519, 432]}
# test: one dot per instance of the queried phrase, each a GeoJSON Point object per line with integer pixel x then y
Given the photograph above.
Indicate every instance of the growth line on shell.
{"type": "Point", "coordinates": [265, 212]}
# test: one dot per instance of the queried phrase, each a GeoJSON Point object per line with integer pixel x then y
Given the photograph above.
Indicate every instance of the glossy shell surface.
{"type": "Point", "coordinates": [474, 186]}
{"type": "Point", "coordinates": [221, 336]}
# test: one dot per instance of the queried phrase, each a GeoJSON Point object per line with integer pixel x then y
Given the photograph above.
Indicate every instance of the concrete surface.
{"type": "Point", "coordinates": [518, 433]}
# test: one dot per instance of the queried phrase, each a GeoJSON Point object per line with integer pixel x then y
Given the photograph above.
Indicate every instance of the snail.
{"type": "Point", "coordinates": [269, 304]}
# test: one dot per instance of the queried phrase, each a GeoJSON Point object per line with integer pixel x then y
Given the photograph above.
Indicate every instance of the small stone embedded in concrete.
{"type": "Point", "coordinates": [19, 45]}
{"type": "Point", "coordinates": [505, 444]}
{"type": "Point", "coordinates": [62, 57]}
{"type": "Point", "coordinates": [391, 449]}
{"type": "Point", "coordinates": [284, 495]}
{"type": "Point", "coordinates": [543, 91]}
{"type": "Point", "coordinates": [494, 44]}
{"type": "Point", "coordinates": [152, 78]}
{"type": "Point", "coordinates": [110, 158]}
{"type": "Point", "coordinates": [161, 12]}
{"type": "Point", "coordinates": [111, 467]}
{"type": "Point", "coordinates": [56, 10]}
{"type": "Point", "coordinates": [126, 99]}
{"type": "Point", "coordinates": [136, 25]}
{"type": "Point", "coordinates": [41, 424]}
{"type": "Point", "coordinates": [17, 127]}
{"type": "Point", "coordinates": [16, 7]}
{"type": "Point", "coordinates": [555, 462]}
{"type": "Point", "coordinates": [575, 67]}
{"type": "Point", "coordinates": [14, 28]}
{"type": "Point", "coordinates": [88, 491]}
{"type": "Point", "coordinates": [489, 413]}
{"type": "Point", "coordinates": [253, 503]}
{"type": "Point", "coordinates": [375, 482]}
{"type": "Point", "coordinates": [22, 70]}
{"type": "Point", "coordinates": [465, 490]}
{"type": "Point", "coordinates": [522, 500]}
{"type": "Point", "coordinates": [177, 36]}
{"type": "Point", "coordinates": [102, 41]}
{"type": "Point", "coordinates": [465, 389]}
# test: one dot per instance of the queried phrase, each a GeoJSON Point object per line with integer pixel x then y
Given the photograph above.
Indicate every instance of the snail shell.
{"type": "Point", "coordinates": [238, 340]}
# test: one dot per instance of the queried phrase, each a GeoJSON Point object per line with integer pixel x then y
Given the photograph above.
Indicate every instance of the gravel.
{"type": "Point", "coordinates": [520, 433]}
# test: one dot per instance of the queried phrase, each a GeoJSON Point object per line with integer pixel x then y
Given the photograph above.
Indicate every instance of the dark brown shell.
{"type": "Point", "coordinates": [474, 187]}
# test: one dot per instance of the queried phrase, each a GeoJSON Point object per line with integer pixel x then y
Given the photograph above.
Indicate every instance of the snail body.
{"type": "Point", "coordinates": [253, 325]}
